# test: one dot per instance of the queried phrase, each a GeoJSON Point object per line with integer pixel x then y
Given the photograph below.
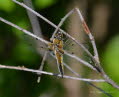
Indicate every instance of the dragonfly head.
{"type": "Point", "coordinates": [58, 36]}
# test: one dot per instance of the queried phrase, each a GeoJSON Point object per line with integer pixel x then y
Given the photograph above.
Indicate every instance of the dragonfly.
{"type": "Point", "coordinates": [56, 46]}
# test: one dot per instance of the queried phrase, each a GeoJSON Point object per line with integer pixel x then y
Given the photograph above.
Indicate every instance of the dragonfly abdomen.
{"type": "Point", "coordinates": [60, 62]}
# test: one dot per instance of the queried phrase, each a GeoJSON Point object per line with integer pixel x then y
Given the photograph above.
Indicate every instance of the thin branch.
{"type": "Point", "coordinates": [61, 22]}
{"type": "Point", "coordinates": [37, 14]}
{"type": "Point", "coordinates": [41, 66]}
{"type": "Point", "coordinates": [96, 56]}
{"type": "Point", "coordinates": [48, 73]}
{"type": "Point", "coordinates": [108, 80]}
{"type": "Point", "coordinates": [80, 60]}
{"type": "Point", "coordinates": [25, 31]}
{"type": "Point", "coordinates": [87, 30]}
{"type": "Point", "coordinates": [33, 19]}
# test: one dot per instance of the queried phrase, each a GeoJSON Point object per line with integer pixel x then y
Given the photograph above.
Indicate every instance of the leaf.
{"type": "Point", "coordinates": [44, 3]}
{"type": "Point", "coordinates": [111, 58]}
{"type": "Point", "coordinates": [7, 5]}
{"type": "Point", "coordinates": [23, 24]}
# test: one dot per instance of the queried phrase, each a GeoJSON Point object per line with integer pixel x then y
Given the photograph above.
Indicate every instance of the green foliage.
{"type": "Point", "coordinates": [44, 3]}
{"type": "Point", "coordinates": [109, 89]}
{"type": "Point", "coordinates": [111, 58]}
{"type": "Point", "coordinates": [23, 53]}
{"type": "Point", "coordinates": [111, 64]}
{"type": "Point", "coordinates": [7, 5]}
{"type": "Point", "coordinates": [22, 50]}
{"type": "Point", "coordinates": [21, 23]}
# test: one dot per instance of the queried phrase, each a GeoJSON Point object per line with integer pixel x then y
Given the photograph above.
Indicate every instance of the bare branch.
{"type": "Point", "coordinates": [25, 31]}
{"type": "Point", "coordinates": [108, 80]}
{"type": "Point", "coordinates": [48, 73]}
{"type": "Point", "coordinates": [33, 19]}
{"type": "Point", "coordinates": [61, 22]}
{"type": "Point", "coordinates": [37, 14]}
{"type": "Point", "coordinates": [41, 66]}
{"type": "Point", "coordinates": [80, 60]}
{"type": "Point", "coordinates": [87, 30]}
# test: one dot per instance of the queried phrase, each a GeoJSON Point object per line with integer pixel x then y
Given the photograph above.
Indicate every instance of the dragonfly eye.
{"type": "Point", "coordinates": [58, 36]}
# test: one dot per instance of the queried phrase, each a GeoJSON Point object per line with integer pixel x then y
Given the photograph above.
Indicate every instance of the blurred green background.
{"type": "Point", "coordinates": [102, 16]}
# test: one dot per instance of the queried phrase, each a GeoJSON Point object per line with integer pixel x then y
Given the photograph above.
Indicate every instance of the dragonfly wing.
{"type": "Point", "coordinates": [33, 45]}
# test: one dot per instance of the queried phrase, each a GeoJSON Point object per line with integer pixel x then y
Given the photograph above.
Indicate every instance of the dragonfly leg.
{"type": "Point", "coordinates": [61, 70]}
{"type": "Point", "coordinates": [56, 74]}
{"type": "Point", "coordinates": [50, 46]}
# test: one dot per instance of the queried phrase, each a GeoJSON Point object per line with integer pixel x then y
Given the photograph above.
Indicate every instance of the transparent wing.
{"type": "Point", "coordinates": [71, 47]}
{"type": "Point", "coordinates": [31, 44]}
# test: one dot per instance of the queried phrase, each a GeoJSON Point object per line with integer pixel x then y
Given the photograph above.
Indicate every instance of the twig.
{"type": "Point", "coordinates": [80, 60]}
{"type": "Point", "coordinates": [108, 80]}
{"type": "Point", "coordinates": [48, 73]}
{"type": "Point", "coordinates": [61, 22]}
{"type": "Point", "coordinates": [25, 31]}
{"type": "Point", "coordinates": [41, 66]}
{"type": "Point", "coordinates": [87, 30]}
{"type": "Point", "coordinates": [37, 14]}
{"type": "Point", "coordinates": [33, 19]}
